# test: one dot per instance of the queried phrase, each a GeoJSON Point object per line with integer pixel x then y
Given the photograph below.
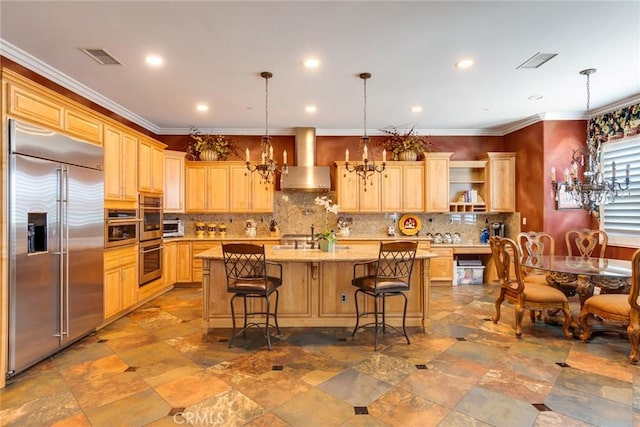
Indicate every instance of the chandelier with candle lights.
{"type": "Point", "coordinates": [593, 190]}
{"type": "Point", "coordinates": [367, 168]}
{"type": "Point", "coordinates": [267, 167]}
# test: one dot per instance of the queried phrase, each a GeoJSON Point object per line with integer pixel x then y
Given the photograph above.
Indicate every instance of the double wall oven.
{"type": "Point", "coordinates": [150, 237]}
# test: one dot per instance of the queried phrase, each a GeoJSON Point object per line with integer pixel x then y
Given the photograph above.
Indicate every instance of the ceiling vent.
{"type": "Point", "coordinates": [102, 56]}
{"type": "Point", "coordinates": [537, 60]}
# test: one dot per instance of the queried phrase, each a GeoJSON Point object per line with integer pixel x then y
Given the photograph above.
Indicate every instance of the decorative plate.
{"type": "Point", "coordinates": [409, 224]}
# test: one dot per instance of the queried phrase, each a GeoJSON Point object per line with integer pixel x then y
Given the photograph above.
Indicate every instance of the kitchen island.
{"type": "Point", "coordinates": [316, 289]}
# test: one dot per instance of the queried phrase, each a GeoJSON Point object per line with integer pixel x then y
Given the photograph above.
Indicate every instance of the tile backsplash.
{"type": "Point", "coordinates": [296, 212]}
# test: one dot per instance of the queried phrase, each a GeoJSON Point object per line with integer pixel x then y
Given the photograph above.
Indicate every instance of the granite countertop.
{"type": "Point", "coordinates": [342, 253]}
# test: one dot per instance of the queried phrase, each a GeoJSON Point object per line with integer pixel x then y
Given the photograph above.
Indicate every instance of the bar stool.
{"type": "Point", "coordinates": [389, 275]}
{"type": "Point", "coordinates": [246, 270]}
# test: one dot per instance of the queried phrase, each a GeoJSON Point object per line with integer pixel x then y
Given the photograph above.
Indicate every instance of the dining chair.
{"type": "Point", "coordinates": [389, 275]}
{"type": "Point", "coordinates": [533, 244]}
{"type": "Point", "coordinates": [524, 296]}
{"type": "Point", "coordinates": [584, 242]}
{"type": "Point", "coordinates": [247, 277]}
{"type": "Point", "coordinates": [622, 309]}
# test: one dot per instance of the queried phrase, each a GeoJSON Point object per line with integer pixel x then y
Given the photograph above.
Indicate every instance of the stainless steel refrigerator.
{"type": "Point", "coordinates": [56, 242]}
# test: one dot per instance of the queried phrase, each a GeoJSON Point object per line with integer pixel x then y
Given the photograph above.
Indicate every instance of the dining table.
{"type": "Point", "coordinates": [590, 275]}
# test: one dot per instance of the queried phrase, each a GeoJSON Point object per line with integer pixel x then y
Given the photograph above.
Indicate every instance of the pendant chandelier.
{"type": "Point", "coordinates": [267, 167]}
{"type": "Point", "coordinates": [593, 190]}
{"type": "Point", "coordinates": [365, 169]}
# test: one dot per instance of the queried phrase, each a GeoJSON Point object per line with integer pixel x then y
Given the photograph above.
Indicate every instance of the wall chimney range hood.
{"type": "Point", "coordinates": [305, 175]}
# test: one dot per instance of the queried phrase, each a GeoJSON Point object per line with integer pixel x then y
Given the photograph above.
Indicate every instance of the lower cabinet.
{"type": "Point", "coordinates": [196, 263]}
{"type": "Point", "coordinates": [183, 262]}
{"type": "Point", "coordinates": [169, 263]}
{"type": "Point", "coordinates": [120, 279]}
{"type": "Point", "coordinates": [441, 269]}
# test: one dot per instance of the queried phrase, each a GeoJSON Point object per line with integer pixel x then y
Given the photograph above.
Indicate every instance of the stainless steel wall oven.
{"type": "Point", "coordinates": [150, 261]}
{"type": "Point", "coordinates": [151, 216]}
{"type": "Point", "coordinates": [120, 227]}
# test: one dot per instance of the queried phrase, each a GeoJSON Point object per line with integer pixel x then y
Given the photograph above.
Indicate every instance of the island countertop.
{"type": "Point", "coordinates": [316, 289]}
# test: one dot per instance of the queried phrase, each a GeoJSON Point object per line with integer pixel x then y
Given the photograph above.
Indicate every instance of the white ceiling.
{"type": "Point", "coordinates": [214, 53]}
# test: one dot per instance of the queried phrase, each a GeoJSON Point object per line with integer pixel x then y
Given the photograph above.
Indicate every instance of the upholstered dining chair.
{"type": "Point", "coordinates": [617, 308]}
{"type": "Point", "coordinates": [246, 270]}
{"type": "Point", "coordinates": [533, 244]}
{"type": "Point", "coordinates": [389, 275]}
{"type": "Point", "coordinates": [524, 296]}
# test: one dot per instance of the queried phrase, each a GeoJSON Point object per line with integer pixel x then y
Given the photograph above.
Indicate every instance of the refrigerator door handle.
{"type": "Point", "coordinates": [65, 252]}
{"type": "Point", "coordinates": [60, 230]}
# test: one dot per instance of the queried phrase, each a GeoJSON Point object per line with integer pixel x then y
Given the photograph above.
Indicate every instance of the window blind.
{"type": "Point", "coordinates": [621, 219]}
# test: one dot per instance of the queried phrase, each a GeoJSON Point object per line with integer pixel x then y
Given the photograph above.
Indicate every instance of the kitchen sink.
{"type": "Point", "coordinates": [303, 247]}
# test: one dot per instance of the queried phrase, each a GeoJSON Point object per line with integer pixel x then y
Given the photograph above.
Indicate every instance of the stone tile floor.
{"type": "Point", "coordinates": [156, 368]}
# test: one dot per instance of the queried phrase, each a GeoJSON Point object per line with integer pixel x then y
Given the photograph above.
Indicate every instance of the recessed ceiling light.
{"type": "Point", "coordinates": [535, 97]}
{"type": "Point", "coordinates": [310, 109]}
{"type": "Point", "coordinates": [154, 60]}
{"type": "Point", "coordinates": [202, 107]}
{"type": "Point", "coordinates": [464, 63]}
{"type": "Point", "coordinates": [311, 63]}
{"type": "Point", "coordinates": [416, 109]}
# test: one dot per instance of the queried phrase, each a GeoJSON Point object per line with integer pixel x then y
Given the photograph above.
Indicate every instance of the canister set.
{"type": "Point", "coordinates": [210, 230]}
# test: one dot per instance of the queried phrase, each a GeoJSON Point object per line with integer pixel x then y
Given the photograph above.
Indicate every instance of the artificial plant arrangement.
{"type": "Point", "coordinates": [222, 145]}
{"type": "Point", "coordinates": [399, 140]}
{"type": "Point", "coordinates": [329, 207]}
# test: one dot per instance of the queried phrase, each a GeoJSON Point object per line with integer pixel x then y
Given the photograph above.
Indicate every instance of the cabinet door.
{"type": "Point", "coordinates": [369, 194]}
{"type": "Point", "coordinates": [83, 126]}
{"type": "Point", "coordinates": [145, 167]}
{"type": "Point", "coordinates": [129, 161]}
{"type": "Point", "coordinates": [173, 181]}
{"type": "Point", "coordinates": [169, 261]}
{"type": "Point", "coordinates": [347, 190]}
{"type": "Point", "coordinates": [183, 262]}
{"type": "Point", "coordinates": [413, 188]}
{"type": "Point", "coordinates": [501, 172]}
{"type": "Point", "coordinates": [217, 189]}
{"type": "Point", "coordinates": [239, 189]}
{"type": "Point", "coordinates": [112, 165]}
{"type": "Point", "coordinates": [441, 267]}
{"type": "Point", "coordinates": [157, 162]}
{"type": "Point", "coordinates": [129, 285]}
{"type": "Point", "coordinates": [29, 105]}
{"type": "Point", "coordinates": [437, 182]}
{"type": "Point", "coordinates": [195, 196]}
{"type": "Point", "coordinates": [112, 294]}
{"type": "Point", "coordinates": [261, 195]}
{"type": "Point", "coordinates": [391, 189]}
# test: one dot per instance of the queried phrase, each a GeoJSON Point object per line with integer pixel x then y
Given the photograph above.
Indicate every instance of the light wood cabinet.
{"type": "Point", "coordinates": [150, 166]}
{"type": "Point", "coordinates": [120, 279]}
{"type": "Point", "coordinates": [183, 262]}
{"type": "Point", "coordinates": [84, 126]}
{"type": "Point", "coordinates": [120, 168]}
{"type": "Point", "coordinates": [196, 263]}
{"type": "Point", "coordinates": [391, 186]}
{"type": "Point", "coordinates": [500, 183]}
{"type": "Point", "coordinates": [206, 187]}
{"type": "Point", "coordinates": [436, 186]}
{"type": "Point", "coordinates": [354, 195]}
{"type": "Point", "coordinates": [441, 268]}
{"type": "Point", "coordinates": [28, 104]}
{"type": "Point", "coordinates": [402, 187]}
{"type": "Point", "coordinates": [247, 191]}
{"type": "Point", "coordinates": [169, 262]}
{"type": "Point", "coordinates": [174, 183]}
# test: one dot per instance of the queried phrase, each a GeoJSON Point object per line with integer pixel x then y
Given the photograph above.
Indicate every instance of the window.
{"type": "Point", "coordinates": [621, 219]}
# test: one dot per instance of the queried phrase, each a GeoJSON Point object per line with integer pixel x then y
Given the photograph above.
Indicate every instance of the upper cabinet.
{"type": "Point", "coordinates": [355, 195]}
{"type": "Point", "coordinates": [174, 181]}
{"type": "Point", "coordinates": [120, 168]}
{"type": "Point", "coordinates": [150, 166]}
{"type": "Point", "coordinates": [500, 183]}
{"type": "Point", "coordinates": [467, 186]}
{"type": "Point", "coordinates": [436, 182]}
{"type": "Point", "coordinates": [217, 187]}
{"type": "Point", "coordinates": [402, 187]}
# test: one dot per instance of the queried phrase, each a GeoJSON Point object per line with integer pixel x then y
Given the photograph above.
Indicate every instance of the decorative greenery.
{"type": "Point", "coordinates": [223, 145]}
{"type": "Point", "coordinates": [329, 236]}
{"type": "Point", "coordinates": [403, 140]}
{"type": "Point", "coordinates": [329, 207]}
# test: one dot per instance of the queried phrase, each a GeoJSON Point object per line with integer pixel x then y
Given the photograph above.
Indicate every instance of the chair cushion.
{"type": "Point", "coordinates": [617, 304]}
{"type": "Point", "coordinates": [368, 283]}
{"type": "Point", "coordinates": [543, 293]}
{"type": "Point", "coordinates": [255, 286]}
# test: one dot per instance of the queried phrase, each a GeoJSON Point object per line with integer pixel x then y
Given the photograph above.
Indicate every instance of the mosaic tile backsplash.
{"type": "Point", "coordinates": [296, 212]}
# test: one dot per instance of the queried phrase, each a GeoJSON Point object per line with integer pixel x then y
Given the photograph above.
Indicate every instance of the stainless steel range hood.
{"type": "Point", "coordinates": [305, 175]}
